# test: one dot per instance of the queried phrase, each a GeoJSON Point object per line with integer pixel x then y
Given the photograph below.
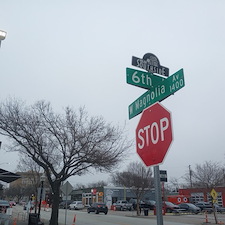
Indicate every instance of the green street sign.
{"type": "Point", "coordinates": [142, 79]}
{"type": "Point", "coordinates": [157, 93]}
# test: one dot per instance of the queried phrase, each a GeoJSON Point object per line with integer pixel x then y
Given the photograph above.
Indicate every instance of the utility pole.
{"type": "Point", "coordinates": [190, 174]}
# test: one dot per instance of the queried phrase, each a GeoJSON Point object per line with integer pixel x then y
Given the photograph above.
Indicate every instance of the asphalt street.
{"type": "Point", "coordinates": [116, 218]}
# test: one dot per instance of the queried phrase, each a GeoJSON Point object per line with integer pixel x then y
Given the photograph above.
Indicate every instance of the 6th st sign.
{"type": "Point", "coordinates": [142, 79]}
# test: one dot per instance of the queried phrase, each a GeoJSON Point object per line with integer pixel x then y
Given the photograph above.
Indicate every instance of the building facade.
{"type": "Point", "coordinates": [108, 195]}
{"type": "Point", "coordinates": [203, 194]}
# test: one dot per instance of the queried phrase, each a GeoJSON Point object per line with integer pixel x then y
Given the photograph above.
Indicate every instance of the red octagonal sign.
{"type": "Point", "coordinates": [154, 134]}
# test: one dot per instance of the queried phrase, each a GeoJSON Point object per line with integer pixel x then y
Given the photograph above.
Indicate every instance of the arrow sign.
{"type": "Point", "coordinates": [214, 194]}
{"type": "Point", "coordinates": [159, 92]}
{"type": "Point", "coordinates": [142, 79]}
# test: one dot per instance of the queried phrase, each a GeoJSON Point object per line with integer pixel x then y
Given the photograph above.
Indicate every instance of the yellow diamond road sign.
{"type": "Point", "coordinates": [214, 194]}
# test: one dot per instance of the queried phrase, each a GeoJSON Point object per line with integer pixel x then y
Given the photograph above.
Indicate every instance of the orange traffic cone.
{"type": "Point", "coordinates": [206, 217]}
{"type": "Point", "coordinates": [74, 219]}
{"type": "Point", "coordinates": [14, 221]}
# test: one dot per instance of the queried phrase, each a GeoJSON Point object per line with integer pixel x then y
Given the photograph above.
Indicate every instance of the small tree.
{"type": "Point", "coordinates": [136, 177]}
{"type": "Point", "coordinates": [63, 145]}
{"type": "Point", "coordinates": [19, 191]}
{"type": "Point", "coordinates": [100, 183]}
{"type": "Point", "coordinates": [33, 172]}
{"type": "Point", "coordinates": [207, 175]}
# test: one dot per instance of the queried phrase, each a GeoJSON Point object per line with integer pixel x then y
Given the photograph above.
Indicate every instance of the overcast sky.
{"type": "Point", "coordinates": [75, 53]}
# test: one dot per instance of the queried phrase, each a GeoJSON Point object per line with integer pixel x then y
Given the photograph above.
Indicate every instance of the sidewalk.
{"type": "Point", "coordinates": [25, 222]}
{"type": "Point", "coordinates": [21, 218]}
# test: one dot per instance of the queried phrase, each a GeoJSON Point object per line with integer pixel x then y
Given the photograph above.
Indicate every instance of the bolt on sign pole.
{"type": "Point", "coordinates": [158, 196]}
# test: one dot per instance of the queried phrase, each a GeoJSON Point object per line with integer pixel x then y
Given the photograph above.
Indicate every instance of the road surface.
{"type": "Point", "coordinates": [120, 218]}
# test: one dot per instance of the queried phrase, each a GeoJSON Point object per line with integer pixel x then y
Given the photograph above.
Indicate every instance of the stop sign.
{"type": "Point", "coordinates": [154, 134]}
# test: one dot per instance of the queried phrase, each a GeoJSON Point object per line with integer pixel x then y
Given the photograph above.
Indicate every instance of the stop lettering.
{"type": "Point", "coordinates": [154, 134]}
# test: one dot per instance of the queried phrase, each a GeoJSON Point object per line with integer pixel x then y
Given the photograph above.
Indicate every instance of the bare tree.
{"type": "Point", "coordinates": [137, 177]}
{"type": "Point", "coordinates": [173, 185]}
{"type": "Point", "coordinates": [19, 191]}
{"type": "Point", "coordinates": [27, 167]}
{"type": "Point", "coordinates": [80, 186]}
{"type": "Point", "coordinates": [100, 183]}
{"type": "Point", "coordinates": [207, 175]}
{"type": "Point", "coordinates": [63, 145]}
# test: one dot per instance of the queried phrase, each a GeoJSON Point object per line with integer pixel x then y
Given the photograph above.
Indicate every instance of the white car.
{"type": "Point", "coordinates": [76, 205]}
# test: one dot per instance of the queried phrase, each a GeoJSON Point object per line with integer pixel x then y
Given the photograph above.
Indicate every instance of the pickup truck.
{"type": "Point", "coordinates": [123, 205]}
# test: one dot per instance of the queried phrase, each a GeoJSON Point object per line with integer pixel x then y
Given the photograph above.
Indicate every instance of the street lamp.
{"type": "Point", "coordinates": [2, 36]}
{"type": "Point", "coordinates": [42, 179]}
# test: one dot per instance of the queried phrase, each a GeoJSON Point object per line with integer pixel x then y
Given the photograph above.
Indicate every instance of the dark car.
{"type": "Point", "coordinates": [150, 204]}
{"type": "Point", "coordinates": [64, 204]}
{"type": "Point", "coordinates": [189, 207]}
{"type": "Point", "coordinates": [219, 208]}
{"type": "Point", "coordinates": [205, 206]}
{"type": "Point", "coordinates": [98, 207]}
{"type": "Point", "coordinates": [170, 207]}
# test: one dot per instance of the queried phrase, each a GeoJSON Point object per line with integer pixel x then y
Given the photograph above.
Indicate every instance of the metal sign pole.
{"type": "Point", "coordinates": [66, 189]}
{"type": "Point", "coordinates": [66, 204]}
{"type": "Point", "coordinates": [158, 196]}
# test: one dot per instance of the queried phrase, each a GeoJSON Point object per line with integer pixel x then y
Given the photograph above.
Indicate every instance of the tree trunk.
{"type": "Point", "coordinates": [138, 208]}
{"type": "Point", "coordinates": [55, 203]}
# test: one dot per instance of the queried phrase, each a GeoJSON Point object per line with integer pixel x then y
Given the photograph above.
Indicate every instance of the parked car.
{"type": "Point", "coordinates": [219, 208]}
{"type": "Point", "coordinates": [189, 207]}
{"type": "Point", "coordinates": [123, 205]}
{"type": "Point", "coordinates": [76, 205]}
{"type": "Point", "coordinates": [62, 205]}
{"type": "Point", "coordinates": [170, 207]}
{"type": "Point", "coordinates": [150, 204]}
{"type": "Point", "coordinates": [98, 207]}
{"type": "Point", "coordinates": [4, 205]}
{"type": "Point", "coordinates": [205, 206]}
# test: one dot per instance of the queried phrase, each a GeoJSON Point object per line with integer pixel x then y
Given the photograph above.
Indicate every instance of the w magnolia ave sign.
{"type": "Point", "coordinates": [154, 134]}
{"type": "Point", "coordinates": [158, 92]}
